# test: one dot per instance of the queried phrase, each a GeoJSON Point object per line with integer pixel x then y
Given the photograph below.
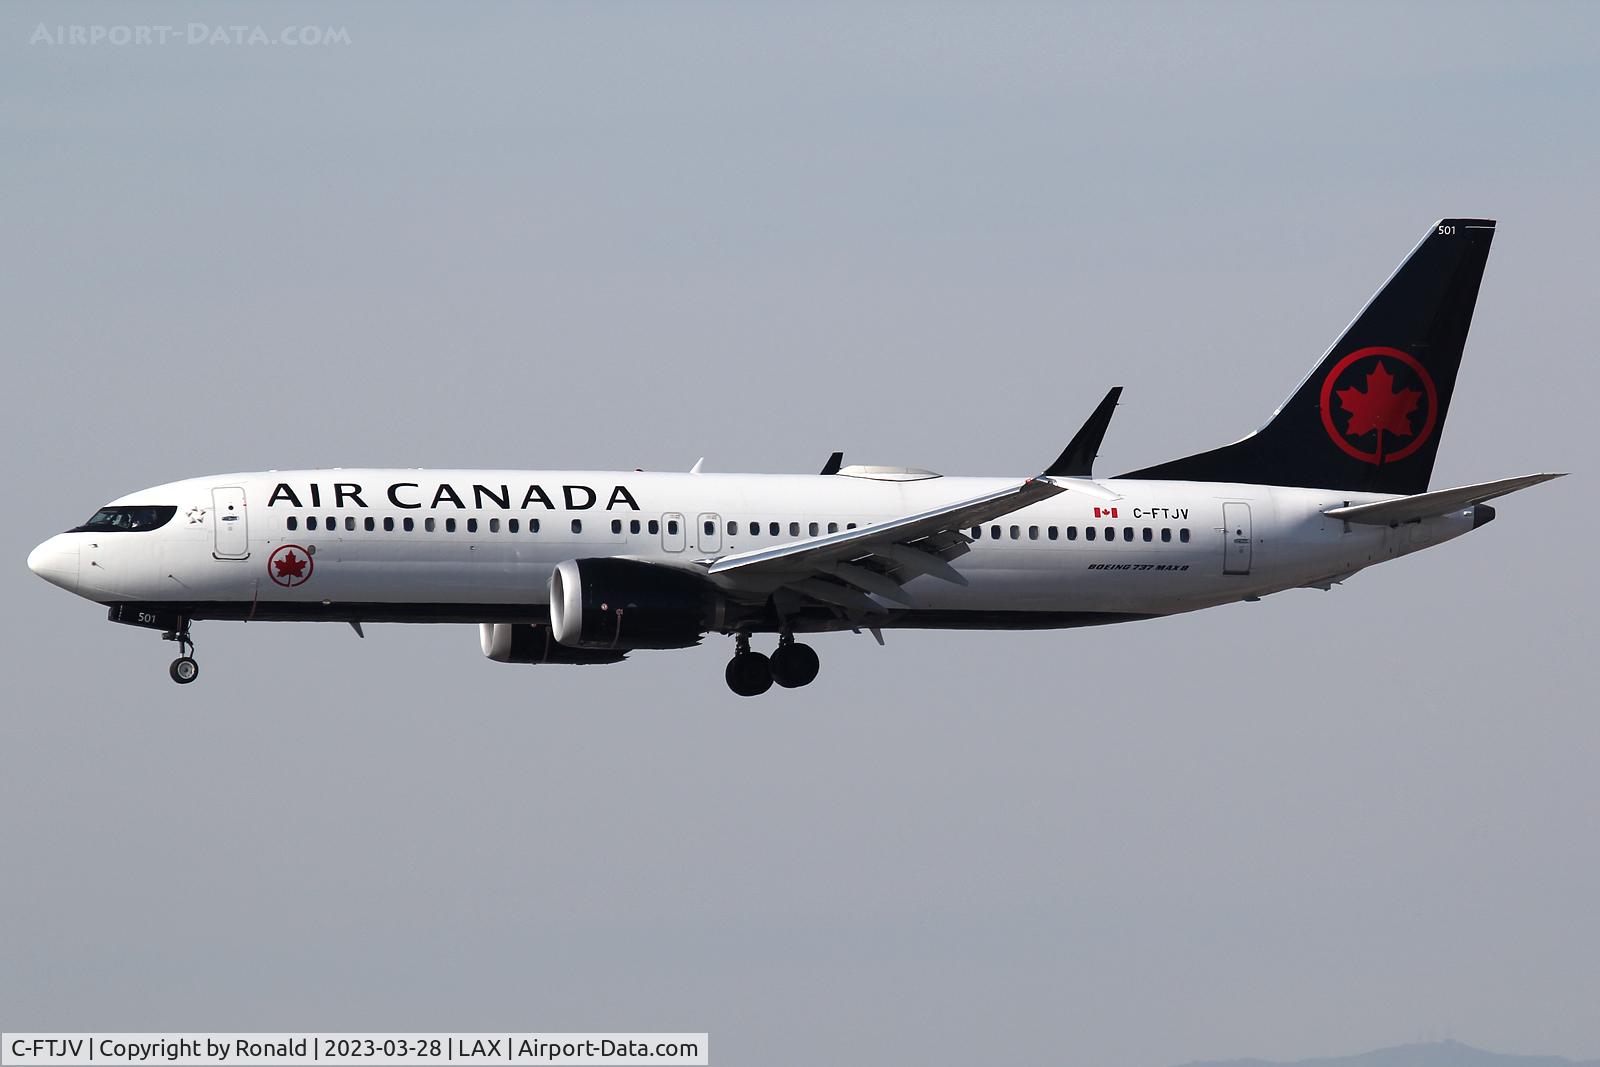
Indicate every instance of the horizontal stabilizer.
{"type": "Point", "coordinates": [1078, 459]}
{"type": "Point", "coordinates": [1429, 505]}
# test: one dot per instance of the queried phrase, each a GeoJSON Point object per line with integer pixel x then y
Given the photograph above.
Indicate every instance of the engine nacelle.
{"type": "Point", "coordinates": [521, 642]}
{"type": "Point", "coordinates": [624, 603]}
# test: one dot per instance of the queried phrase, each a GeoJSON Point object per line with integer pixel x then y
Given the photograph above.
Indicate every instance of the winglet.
{"type": "Point", "coordinates": [697, 465]}
{"type": "Point", "coordinates": [1078, 459]}
{"type": "Point", "coordinates": [835, 461]}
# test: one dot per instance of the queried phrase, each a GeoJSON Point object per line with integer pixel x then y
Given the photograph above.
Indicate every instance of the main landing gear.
{"type": "Point", "coordinates": [184, 669]}
{"type": "Point", "coordinates": [791, 665]}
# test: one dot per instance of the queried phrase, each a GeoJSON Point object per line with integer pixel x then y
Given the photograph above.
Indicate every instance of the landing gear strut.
{"type": "Point", "coordinates": [184, 669]}
{"type": "Point", "coordinates": [791, 666]}
{"type": "Point", "coordinates": [749, 673]}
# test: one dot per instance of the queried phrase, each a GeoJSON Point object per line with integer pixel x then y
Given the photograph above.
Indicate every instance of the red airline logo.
{"type": "Point", "coordinates": [1105, 513]}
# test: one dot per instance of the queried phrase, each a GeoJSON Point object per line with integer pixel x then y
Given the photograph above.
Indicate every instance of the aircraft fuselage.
{"type": "Point", "coordinates": [480, 546]}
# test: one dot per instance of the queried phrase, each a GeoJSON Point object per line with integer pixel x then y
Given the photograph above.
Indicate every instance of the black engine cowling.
{"type": "Point", "coordinates": [624, 603]}
{"type": "Point", "coordinates": [521, 642]}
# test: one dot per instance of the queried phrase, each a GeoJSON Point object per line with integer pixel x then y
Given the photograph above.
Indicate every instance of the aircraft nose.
{"type": "Point", "coordinates": [56, 561]}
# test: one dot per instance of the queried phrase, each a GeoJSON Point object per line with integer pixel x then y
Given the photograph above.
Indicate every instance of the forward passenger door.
{"type": "Point", "coordinates": [230, 527]}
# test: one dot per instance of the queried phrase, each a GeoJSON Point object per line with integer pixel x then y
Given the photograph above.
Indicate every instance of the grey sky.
{"type": "Point", "coordinates": [572, 236]}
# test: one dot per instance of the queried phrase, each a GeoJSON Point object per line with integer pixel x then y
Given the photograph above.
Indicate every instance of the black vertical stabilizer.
{"type": "Point", "coordinates": [1078, 459]}
{"type": "Point", "coordinates": [1369, 416]}
{"type": "Point", "coordinates": [835, 461]}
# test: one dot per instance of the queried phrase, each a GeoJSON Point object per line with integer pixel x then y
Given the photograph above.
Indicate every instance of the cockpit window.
{"type": "Point", "coordinates": [135, 518]}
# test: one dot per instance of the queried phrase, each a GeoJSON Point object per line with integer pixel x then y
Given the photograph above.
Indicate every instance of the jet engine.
{"type": "Point", "coordinates": [521, 642]}
{"type": "Point", "coordinates": [624, 603]}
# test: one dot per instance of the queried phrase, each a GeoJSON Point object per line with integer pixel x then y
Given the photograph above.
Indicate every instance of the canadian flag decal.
{"type": "Point", "coordinates": [1105, 513]}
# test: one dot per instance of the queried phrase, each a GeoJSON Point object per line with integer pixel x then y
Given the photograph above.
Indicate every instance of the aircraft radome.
{"type": "Point", "coordinates": [576, 567]}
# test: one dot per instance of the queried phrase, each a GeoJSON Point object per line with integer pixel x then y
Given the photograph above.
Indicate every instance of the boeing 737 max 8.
{"type": "Point", "coordinates": [583, 568]}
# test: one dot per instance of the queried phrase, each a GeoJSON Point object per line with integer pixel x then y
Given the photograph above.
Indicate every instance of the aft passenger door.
{"type": "Point", "coordinates": [229, 525]}
{"type": "Point", "coordinates": [1236, 538]}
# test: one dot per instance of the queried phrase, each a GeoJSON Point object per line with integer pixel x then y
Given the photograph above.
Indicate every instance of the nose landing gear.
{"type": "Point", "coordinates": [791, 666]}
{"type": "Point", "coordinates": [184, 669]}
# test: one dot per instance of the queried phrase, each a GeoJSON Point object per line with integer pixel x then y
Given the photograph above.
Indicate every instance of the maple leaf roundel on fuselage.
{"type": "Point", "coordinates": [289, 566]}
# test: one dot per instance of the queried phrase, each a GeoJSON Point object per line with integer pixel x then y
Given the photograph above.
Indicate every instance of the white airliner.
{"type": "Point", "coordinates": [585, 567]}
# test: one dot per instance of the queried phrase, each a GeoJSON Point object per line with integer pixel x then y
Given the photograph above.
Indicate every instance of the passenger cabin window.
{"type": "Point", "coordinates": [733, 528]}
{"type": "Point", "coordinates": [1149, 534]}
{"type": "Point", "coordinates": [813, 529]}
{"type": "Point", "coordinates": [388, 524]}
{"type": "Point", "coordinates": [472, 526]}
{"type": "Point", "coordinates": [1088, 533]}
{"type": "Point", "coordinates": [1054, 533]}
{"type": "Point", "coordinates": [350, 523]}
{"type": "Point", "coordinates": [1016, 532]}
{"type": "Point", "coordinates": [1127, 533]}
{"type": "Point", "coordinates": [616, 526]}
{"type": "Point", "coordinates": [773, 529]}
{"type": "Point", "coordinates": [1033, 533]}
{"type": "Point", "coordinates": [370, 524]}
{"type": "Point", "coordinates": [655, 526]}
{"type": "Point", "coordinates": [533, 525]}
{"type": "Point", "coordinates": [994, 533]}
{"type": "Point", "coordinates": [711, 528]}
{"type": "Point", "coordinates": [428, 524]}
{"type": "Point", "coordinates": [672, 526]}
{"type": "Point", "coordinates": [124, 519]}
{"type": "Point", "coordinates": [333, 523]}
{"type": "Point", "coordinates": [513, 525]}
{"type": "Point", "coordinates": [494, 525]}
{"type": "Point", "coordinates": [633, 525]}
{"type": "Point", "coordinates": [977, 533]}
{"type": "Point", "coordinates": [1111, 533]}
{"type": "Point", "coordinates": [755, 529]}
{"type": "Point", "coordinates": [449, 526]}
{"type": "Point", "coordinates": [833, 527]}
{"type": "Point", "coordinates": [1183, 535]}
{"type": "Point", "coordinates": [311, 522]}
{"type": "Point", "coordinates": [794, 529]}
{"type": "Point", "coordinates": [1072, 533]}
{"type": "Point", "coordinates": [577, 526]}
{"type": "Point", "coordinates": [409, 523]}
{"type": "Point", "coordinates": [291, 522]}
{"type": "Point", "coordinates": [1166, 533]}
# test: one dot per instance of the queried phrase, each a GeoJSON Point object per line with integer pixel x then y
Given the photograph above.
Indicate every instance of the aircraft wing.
{"type": "Point", "coordinates": [1428, 505]}
{"type": "Point", "coordinates": [846, 569]}
{"type": "Point", "coordinates": [859, 570]}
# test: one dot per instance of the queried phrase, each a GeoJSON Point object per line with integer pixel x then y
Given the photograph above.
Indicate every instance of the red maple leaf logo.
{"type": "Point", "coordinates": [290, 566]}
{"type": "Point", "coordinates": [1380, 408]}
